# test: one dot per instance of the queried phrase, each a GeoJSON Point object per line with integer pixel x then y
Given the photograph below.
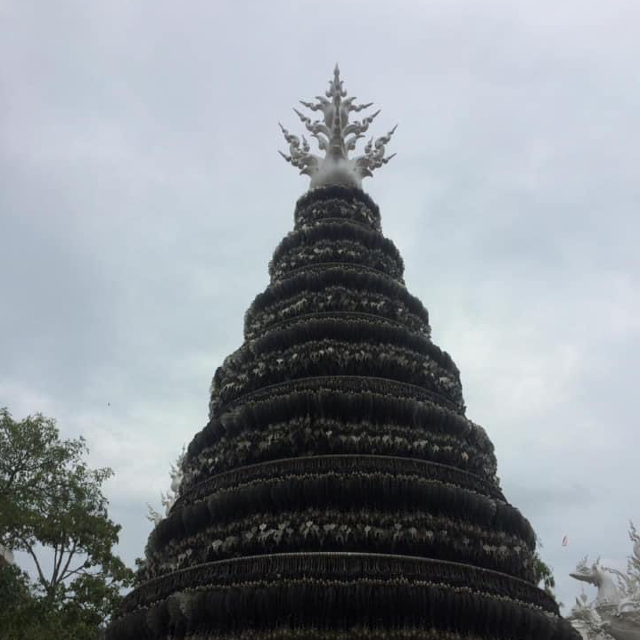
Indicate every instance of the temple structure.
{"type": "Point", "coordinates": [338, 490]}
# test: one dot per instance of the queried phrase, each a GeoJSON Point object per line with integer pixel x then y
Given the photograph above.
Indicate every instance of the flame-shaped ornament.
{"type": "Point", "coordinates": [336, 136]}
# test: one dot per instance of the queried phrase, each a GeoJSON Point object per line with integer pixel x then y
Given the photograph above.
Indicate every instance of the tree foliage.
{"type": "Point", "coordinates": [544, 574]}
{"type": "Point", "coordinates": [53, 509]}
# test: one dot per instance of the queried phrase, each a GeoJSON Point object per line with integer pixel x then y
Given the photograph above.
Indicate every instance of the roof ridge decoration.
{"type": "Point", "coordinates": [336, 136]}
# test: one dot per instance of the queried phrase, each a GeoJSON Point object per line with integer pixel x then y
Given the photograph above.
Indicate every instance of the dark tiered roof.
{"type": "Point", "coordinates": [338, 490]}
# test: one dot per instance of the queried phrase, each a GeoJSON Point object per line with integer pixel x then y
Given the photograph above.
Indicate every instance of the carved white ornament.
{"type": "Point", "coordinates": [615, 611]}
{"type": "Point", "coordinates": [168, 499]}
{"type": "Point", "coordinates": [336, 136]}
{"type": "Point", "coordinates": [6, 555]}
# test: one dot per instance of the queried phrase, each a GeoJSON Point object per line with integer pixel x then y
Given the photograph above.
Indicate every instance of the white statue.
{"type": "Point", "coordinates": [168, 499]}
{"type": "Point", "coordinates": [600, 577]}
{"type": "Point", "coordinates": [6, 555]}
{"type": "Point", "coordinates": [615, 612]}
{"type": "Point", "coordinates": [336, 136]}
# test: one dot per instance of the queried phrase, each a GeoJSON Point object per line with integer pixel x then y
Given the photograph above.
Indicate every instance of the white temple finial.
{"type": "Point", "coordinates": [336, 136]}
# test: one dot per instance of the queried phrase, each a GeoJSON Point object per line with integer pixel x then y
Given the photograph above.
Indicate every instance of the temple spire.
{"type": "Point", "coordinates": [336, 136]}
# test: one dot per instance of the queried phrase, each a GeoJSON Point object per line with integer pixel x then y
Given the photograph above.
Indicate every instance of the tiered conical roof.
{"type": "Point", "coordinates": [338, 490]}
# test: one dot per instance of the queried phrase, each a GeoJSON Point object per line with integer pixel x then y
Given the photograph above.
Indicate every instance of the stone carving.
{"type": "Point", "coordinates": [615, 611]}
{"type": "Point", "coordinates": [336, 136]}
{"type": "Point", "coordinates": [168, 499]}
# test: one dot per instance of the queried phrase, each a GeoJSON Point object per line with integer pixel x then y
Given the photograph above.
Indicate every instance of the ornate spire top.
{"type": "Point", "coordinates": [336, 136]}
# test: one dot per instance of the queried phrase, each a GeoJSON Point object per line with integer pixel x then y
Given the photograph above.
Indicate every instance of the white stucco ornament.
{"type": "Point", "coordinates": [615, 611]}
{"type": "Point", "coordinates": [336, 136]}
{"type": "Point", "coordinates": [168, 499]}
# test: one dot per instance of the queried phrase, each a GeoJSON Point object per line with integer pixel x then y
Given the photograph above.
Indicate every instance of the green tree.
{"type": "Point", "coordinates": [52, 508]}
{"type": "Point", "coordinates": [16, 603]}
{"type": "Point", "coordinates": [543, 574]}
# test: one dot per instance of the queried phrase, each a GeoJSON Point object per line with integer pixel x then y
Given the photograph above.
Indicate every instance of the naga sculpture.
{"type": "Point", "coordinates": [599, 577]}
{"type": "Point", "coordinates": [336, 136]}
{"type": "Point", "coordinates": [615, 611]}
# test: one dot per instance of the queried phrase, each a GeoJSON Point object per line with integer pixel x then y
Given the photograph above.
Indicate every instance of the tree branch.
{"type": "Point", "coordinates": [30, 551]}
{"type": "Point", "coordinates": [21, 466]}
{"type": "Point", "coordinates": [55, 563]}
{"type": "Point", "coordinates": [64, 573]}
{"type": "Point", "coordinates": [58, 558]}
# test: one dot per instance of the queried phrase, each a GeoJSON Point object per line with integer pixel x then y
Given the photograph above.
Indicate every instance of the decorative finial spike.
{"type": "Point", "coordinates": [337, 137]}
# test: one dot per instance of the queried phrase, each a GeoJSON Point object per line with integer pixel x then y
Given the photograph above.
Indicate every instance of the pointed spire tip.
{"type": "Point", "coordinates": [336, 136]}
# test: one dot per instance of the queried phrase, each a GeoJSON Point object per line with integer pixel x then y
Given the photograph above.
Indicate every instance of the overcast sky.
{"type": "Point", "coordinates": [141, 198]}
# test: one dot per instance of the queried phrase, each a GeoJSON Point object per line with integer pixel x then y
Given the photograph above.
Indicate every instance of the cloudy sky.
{"type": "Point", "coordinates": [141, 197]}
